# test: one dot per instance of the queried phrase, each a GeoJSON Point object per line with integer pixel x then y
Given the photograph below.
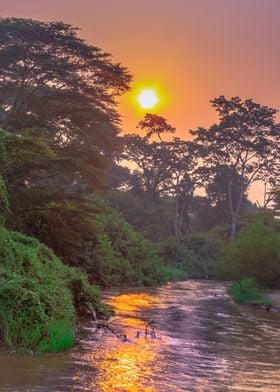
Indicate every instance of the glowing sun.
{"type": "Point", "coordinates": [147, 98]}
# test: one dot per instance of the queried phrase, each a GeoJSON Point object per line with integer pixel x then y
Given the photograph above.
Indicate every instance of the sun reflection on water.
{"type": "Point", "coordinates": [127, 366]}
{"type": "Point", "coordinates": [133, 302]}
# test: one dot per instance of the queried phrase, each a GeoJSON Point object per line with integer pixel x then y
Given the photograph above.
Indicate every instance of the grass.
{"type": "Point", "coordinates": [61, 337]}
{"type": "Point", "coordinates": [246, 291]}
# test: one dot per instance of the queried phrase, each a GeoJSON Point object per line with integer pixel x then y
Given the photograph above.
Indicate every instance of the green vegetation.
{"type": "Point", "coordinates": [123, 256]}
{"type": "Point", "coordinates": [256, 254]}
{"type": "Point", "coordinates": [246, 291]}
{"type": "Point", "coordinates": [94, 237]}
{"type": "Point", "coordinates": [253, 261]}
{"type": "Point", "coordinates": [62, 181]}
{"type": "Point", "coordinates": [38, 295]}
{"type": "Point", "coordinates": [196, 253]}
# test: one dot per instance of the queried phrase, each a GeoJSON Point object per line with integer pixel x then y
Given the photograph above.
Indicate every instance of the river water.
{"type": "Point", "coordinates": [203, 342]}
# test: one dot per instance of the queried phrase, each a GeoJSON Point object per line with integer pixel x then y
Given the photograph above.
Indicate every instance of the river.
{"type": "Point", "coordinates": [203, 342]}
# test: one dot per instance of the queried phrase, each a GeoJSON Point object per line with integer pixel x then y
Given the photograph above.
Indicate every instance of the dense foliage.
{"type": "Point", "coordinates": [94, 237]}
{"type": "Point", "coordinates": [256, 254]}
{"type": "Point", "coordinates": [58, 116]}
{"type": "Point", "coordinates": [196, 253]}
{"type": "Point", "coordinates": [39, 295]}
{"type": "Point", "coordinates": [247, 291]}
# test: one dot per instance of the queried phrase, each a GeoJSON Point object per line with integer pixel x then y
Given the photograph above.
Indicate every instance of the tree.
{"type": "Point", "coordinates": [152, 164]}
{"type": "Point", "coordinates": [152, 158]}
{"type": "Point", "coordinates": [255, 253]}
{"type": "Point", "coordinates": [181, 182]}
{"type": "Point", "coordinates": [155, 125]}
{"type": "Point", "coordinates": [163, 168]}
{"type": "Point", "coordinates": [50, 78]}
{"type": "Point", "coordinates": [217, 192]}
{"type": "Point", "coordinates": [244, 142]}
{"type": "Point", "coordinates": [54, 82]}
{"type": "Point", "coordinates": [58, 112]}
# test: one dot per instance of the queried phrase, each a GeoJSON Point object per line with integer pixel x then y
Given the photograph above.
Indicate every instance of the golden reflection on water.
{"type": "Point", "coordinates": [128, 366]}
{"type": "Point", "coordinates": [133, 302]}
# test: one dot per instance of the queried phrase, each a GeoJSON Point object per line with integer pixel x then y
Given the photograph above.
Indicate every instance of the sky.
{"type": "Point", "coordinates": [190, 51]}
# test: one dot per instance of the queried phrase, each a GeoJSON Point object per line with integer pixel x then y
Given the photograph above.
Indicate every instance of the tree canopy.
{"type": "Point", "coordinates": [245, 142]}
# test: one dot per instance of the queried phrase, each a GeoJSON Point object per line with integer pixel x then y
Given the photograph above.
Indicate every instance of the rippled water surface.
{"type": "Point", "coordinates": [203, 342]}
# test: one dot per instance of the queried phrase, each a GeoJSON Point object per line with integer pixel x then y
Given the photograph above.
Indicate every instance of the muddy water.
{"type": "Point", "coordinates": [203, 342]}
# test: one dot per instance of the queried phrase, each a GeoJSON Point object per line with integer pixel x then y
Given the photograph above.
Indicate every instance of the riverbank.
{"type": "Point", "coordinates": [40, 297]}
{"type": "Point", "coordinates": [246, 292]}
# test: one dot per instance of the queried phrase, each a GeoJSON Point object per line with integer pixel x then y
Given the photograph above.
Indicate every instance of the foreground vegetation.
{"type": "Point", "coordinates": [40, 297]}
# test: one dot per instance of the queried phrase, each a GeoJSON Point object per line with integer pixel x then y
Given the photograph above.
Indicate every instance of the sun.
{"type": "Point", "coordinates": [147, 99]}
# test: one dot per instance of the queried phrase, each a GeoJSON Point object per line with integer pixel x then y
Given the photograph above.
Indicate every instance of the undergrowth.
{"type": "Point", "coordinates": [247, 291]}
{"type": "Point", "coordinates": [39, 296]}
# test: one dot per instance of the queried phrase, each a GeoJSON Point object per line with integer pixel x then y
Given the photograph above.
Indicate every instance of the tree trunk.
{"type": "Point", "coordinates": [176, 219]}
{"type": "Point", "coordinates": [233, 229]}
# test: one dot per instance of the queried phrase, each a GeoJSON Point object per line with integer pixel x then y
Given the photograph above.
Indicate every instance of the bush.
{"type": "Point", "coordinates": [123, 256]}
{"type": "Point", "coordinates": [94, 237]}
{"type": "Point", "coordinates": [194, 253]}
{"type": "Point", "coordinates": [38, 294]}
{"type": "Point", "coordinates": [247, 291]}
{"type": "Point", "coordinates": [256, 254]}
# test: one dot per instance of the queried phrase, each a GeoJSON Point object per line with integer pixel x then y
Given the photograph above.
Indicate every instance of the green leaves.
{"type": "Point", "coordinates": [255, 254]}
{"type": "Point", "coordinates": [58, 98]}
{"type": "Point", "coordinates": [245, 144]}
{"type": "Point", "coordinates": [38, 295]}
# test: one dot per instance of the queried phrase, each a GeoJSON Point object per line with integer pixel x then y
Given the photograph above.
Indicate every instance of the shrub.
{"type": "Point", "coordinates": [123, 256]}
{"type": "Point", "coordinates": [247, 291]}
{"type": "Point", "coordinates": [38, 294]}
{"type": "Point", "coordinates": [194, 253]}
{"type": "Point", "coordinates": [256, 254]}
{"type": "Point", "coordinates": [94, 237]}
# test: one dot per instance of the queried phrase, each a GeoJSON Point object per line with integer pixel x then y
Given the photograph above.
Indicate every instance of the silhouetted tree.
{"type": "Point", "coordinates": [181, 182]}
{"type": "Point", "coordinates": [55, 83]}
{"type": "Point", "coordinates": [244, 142]}
{"type": "Point", "coordinates": [217, 192]}
{"type": "Point", "coordinates": [155, 125]}
{"type": "Point", "coordinates": [152, 161]}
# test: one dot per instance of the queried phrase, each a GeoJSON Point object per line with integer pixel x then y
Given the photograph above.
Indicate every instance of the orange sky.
{"type": "Point", "coordinates": [194, 50]}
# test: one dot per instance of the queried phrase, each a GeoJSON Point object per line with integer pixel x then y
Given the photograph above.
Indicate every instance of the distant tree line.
{"type": "Point", "coordinates": [224, 160]}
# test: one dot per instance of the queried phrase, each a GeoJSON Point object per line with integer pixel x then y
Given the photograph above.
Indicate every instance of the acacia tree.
{"type": "Point", "coordinates": [150, 157]}
{"type": "Point", "coordinates": [244, 142]}
{"type": "Point", "coordinates": [163, 168]}
{"type": "Point", "coordinates": [155, 125]}
{"type": "Point", "coordinates": [152, 161]}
